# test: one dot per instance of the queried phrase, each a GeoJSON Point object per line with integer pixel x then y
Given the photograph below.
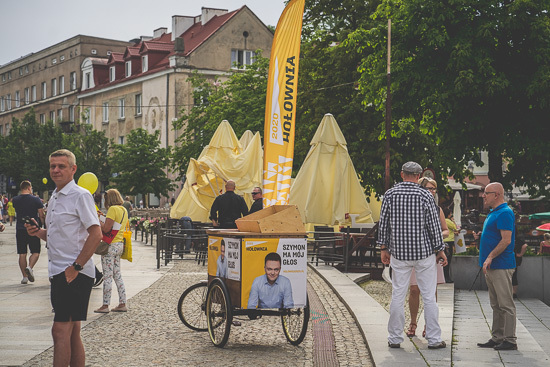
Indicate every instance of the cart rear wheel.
{"type": "Point", "coordinates": [218, 312]}
{"type": "Point", "coordinates": [192, 307]}
{"type": "Point", "coordinates": [295, 322]}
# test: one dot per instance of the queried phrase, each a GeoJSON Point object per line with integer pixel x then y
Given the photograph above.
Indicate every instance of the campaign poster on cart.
{"type": "Point", "coordinates": [227, 252]}
{"type": "Point", "coordinates": [276, 272]}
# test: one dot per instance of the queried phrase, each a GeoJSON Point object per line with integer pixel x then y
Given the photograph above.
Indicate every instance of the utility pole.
{"type": "Point", "coordinates": [388, 113]}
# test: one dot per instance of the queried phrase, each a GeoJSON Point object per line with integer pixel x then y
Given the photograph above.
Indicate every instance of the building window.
{"type": "Point", "coordinates": [9, 77]}
{"type": "Point", "coordinates": [60, 114]}
{"type": "Point", "coordinates": [2, 105]}
{"type": "Point", "coordinates": [105, 112]}
{"type": "Point", "coordinates": [1, 130]}
{"type": "Point", "coordinates": [73, 80]}
{"type": "Point", "coordinates": [33, 93]}
{"type": "Point", "coordinates": [26, 69]}
{"type": "Point", "coordinates": [54, 87]}
{"type": "Point", "coordinates": [121, 140]}
{"type": "Point", "coordinates": [3, 77]}
{"type": "Point", "coordinates": [61, 84]}
{"type": "Point", "coordinates": [44, 90]}
{"type": "Point", "coordinates": [112, 74]}
{"type": "Point", "coordinates": [144, 66]}
{"type": "Point", "coordinates": [42, 118]}
{"type": "Point", "coordinates": [52, 116]}
{"type": "Point", "coordinates": [138, 104]}
{"type": "Point", "coordinates": [121, 108]}
{"type": "Point", "coordinates": [71, 113]}
{"type": "Point", "coordinates": [241, 58]}
{"type": "Point", "coordinates": [20, 71]}
{"type": "Point", "coordinates": [7, 129]}
{"type": "Point", "coordinates": [27, 95]}
{"type": "Point", "coordinates": [17, 99]}
{"type": "Point", "coordinates": [8, 101]}
{"type": "Point", "coordinates": [87, 81]}
{"type": "Point", "coordinates": [128, 68]}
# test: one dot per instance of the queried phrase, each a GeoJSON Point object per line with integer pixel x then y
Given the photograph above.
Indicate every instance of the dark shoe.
{"type": "Point", "coordinates": [515, 295]}
{"type": "Point", "coordinates": [396, 345]}
{"type": "Point", "coordinates": [438, 346]}
{"type": "Point", "coordinates": [449, 281]}
{"type": "Point", "coordinates": [506, 346]}
{"type": "Point", "coordinates": [490, 344]}
{"type": "Point", "coordinates": [98, 281]}
{"type": "Point", "coordinates": [30, 274]}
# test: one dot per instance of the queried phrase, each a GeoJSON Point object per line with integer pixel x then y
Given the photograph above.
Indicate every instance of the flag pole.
{"type": "Point", "coordinates": [388, 112]}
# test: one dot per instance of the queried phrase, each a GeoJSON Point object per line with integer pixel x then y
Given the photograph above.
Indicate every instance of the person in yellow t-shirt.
{"type": "Point", "coordinates": [449, 243]}
{"type": "Point", "coordinates": [111, 261]}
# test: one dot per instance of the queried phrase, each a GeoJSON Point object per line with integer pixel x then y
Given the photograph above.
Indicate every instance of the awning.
{"type": "Point", "coordinates": [458, 186]}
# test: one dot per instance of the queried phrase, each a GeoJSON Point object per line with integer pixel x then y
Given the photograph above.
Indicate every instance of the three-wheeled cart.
{"type": "Point", "coordinates": [253, 272]}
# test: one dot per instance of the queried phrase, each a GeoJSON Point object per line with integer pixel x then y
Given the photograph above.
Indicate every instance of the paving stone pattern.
{"type": "Point", "coordinates": [152, 334]}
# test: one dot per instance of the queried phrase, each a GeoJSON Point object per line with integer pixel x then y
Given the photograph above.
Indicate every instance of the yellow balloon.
{"type": "Point", "coordinates": [88, 181]}
{"type": "Point", "coordinates": [45, 180]}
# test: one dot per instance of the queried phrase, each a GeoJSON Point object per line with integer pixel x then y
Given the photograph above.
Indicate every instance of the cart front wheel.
{"type": "Point", "coordinates": [192, 307]}
{"type": "Point", "coordinates": [218, 313]}
{"type": "Point", "coordinates": [295, 322]}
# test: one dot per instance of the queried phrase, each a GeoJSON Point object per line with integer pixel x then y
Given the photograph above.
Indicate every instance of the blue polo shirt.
{"type": "Point", "coordinates": [500, 218]}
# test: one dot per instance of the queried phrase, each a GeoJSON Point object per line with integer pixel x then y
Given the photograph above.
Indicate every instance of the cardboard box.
{"type": "Point", "coordinates": [273, 219]}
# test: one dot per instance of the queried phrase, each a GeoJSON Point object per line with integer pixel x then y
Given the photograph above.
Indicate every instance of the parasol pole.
{"type": "Point", "coordinates": [388, 112]}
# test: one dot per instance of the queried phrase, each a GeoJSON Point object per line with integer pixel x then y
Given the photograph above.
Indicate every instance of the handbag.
{"type": "Point", "coordinates": [127, 239]}
{"type": "Point", "coordinates": [102, 249]}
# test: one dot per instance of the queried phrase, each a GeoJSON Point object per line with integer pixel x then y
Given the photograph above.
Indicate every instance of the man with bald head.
{"type": "Point", "coordinates": [496, 257]}
{"type": "Point", "coordinates": [228, 207]}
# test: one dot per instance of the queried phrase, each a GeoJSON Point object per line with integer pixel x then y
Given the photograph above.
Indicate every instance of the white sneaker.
{"type": "Point", "coordinates": [25, 280]}
{"type": "Point", "coordinates": [30, 274]}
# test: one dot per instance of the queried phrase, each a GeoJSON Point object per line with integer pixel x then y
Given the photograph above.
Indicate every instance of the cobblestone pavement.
{"type": "Point", "coordinates": [152, 334]}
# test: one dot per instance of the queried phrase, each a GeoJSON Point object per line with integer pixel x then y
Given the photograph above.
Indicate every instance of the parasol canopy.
{"type": "Point", "coordinates": [457, 211]}
{"type": "Point", "coordinates": [544, 227]}
{"type": "Point", "coordinates": [327, 188]}
{"type": "Point", "coordinates": [221, 160]}
{"type": "Point", "coordinates": [540, 216]}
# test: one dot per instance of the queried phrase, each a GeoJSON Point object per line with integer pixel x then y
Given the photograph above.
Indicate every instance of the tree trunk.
{"type": "Point", "coordinates": [495, 165]}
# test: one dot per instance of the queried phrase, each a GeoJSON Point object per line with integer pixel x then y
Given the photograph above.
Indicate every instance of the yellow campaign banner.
{"type": "Point", "coordinates": [275, 273]}
{"type": "Point", "coordinates": [280, 111]}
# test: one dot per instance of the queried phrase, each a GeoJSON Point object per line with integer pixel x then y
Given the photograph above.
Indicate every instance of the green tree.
{"type": "Point", "coordinates": [469, 75]}
{"type": "Point", "coordinates": [91, 148]}
{"type": "Point", "coordinates": [24, 152]}
{"type": "Point", "coordinates": [239, 100]}
{"type": "Point", "coordinates": [140, 165]}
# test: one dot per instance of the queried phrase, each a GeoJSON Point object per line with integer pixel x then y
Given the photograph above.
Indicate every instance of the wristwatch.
{"type": "Point", "coordinates": [77, 266]}
{"type": "Point", "coordinates": [384, 249]}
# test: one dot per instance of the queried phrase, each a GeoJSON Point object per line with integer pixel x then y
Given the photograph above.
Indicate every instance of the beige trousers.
{"type": "Point", "coordinates": [499, 282]}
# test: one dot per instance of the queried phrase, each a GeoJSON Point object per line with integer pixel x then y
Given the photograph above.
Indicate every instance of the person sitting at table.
{"type": "Point", "coordinates": [545, 245]}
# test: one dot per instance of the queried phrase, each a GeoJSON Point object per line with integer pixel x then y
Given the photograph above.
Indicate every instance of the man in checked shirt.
{"type": "Point", "coordinates": [410, 237]}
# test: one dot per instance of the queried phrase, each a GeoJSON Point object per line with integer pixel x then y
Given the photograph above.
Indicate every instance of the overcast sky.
{"type": "Point", "coordinates": [33, 25]}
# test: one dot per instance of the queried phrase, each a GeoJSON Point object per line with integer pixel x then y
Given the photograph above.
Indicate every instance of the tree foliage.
{"type": "Point", "coordinates": [468, 75]}
{"type": "Point", "coordinates": [141, 165]}
{"type": "Point", "coordinates": [240, 100]}
{"type": "Point", "coordinates": [24, 153]}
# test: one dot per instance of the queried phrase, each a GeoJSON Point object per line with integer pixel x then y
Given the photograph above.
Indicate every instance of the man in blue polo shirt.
{"type": "Point", "coordinates": [496, 257]}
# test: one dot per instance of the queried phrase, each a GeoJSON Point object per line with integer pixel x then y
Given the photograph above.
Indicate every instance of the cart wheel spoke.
{"type": "Point", "coordinates": [295, 321]}
{"type": "Point", "coordinates": [192, 307]}
{"type": "Point", "coordinates": [218, 313]}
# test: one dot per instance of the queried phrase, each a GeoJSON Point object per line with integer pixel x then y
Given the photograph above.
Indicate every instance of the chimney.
{"type": "Point", "coordinates": [179, 47]}
{"type": "Point", "coordinates": [159, 32]}
{"type": "Point", "coordinates": [180, 24]}
{"type": "Point", "coordinates": [209, 13]}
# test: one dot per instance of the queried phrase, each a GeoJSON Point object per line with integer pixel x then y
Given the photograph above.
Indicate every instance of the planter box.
{"type": "Point", "coordinates": [533, 276]}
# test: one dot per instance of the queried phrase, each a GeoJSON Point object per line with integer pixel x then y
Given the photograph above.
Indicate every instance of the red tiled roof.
{"type": "Point", "coordinates": [156, 46]}
{"type": "Point", "coordinates": [116, 57]}
{"type": "Point", "coordinates": [197, 34]}
{"type": "Point", "coordinates": [131, 52]}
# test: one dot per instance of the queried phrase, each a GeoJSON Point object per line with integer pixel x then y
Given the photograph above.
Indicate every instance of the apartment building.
{"type": "Point", "coordinates": [49, 80]}
{"type": "Point", "coordinates": [145, 86]}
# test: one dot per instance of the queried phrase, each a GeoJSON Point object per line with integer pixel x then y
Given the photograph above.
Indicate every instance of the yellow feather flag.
{"type": "Point", "coordinates": [280, 111]}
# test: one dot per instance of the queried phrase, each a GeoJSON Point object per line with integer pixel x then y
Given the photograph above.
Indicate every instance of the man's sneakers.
{"type": "Point", "coordinates": [438, 345]}
{"type": "Point", "coordinates": [505, 345]}
{"type": "Point", "coordinates": [394, 345]}
{"type": "Point", "coordinates": [30, 274]}
{"type": "Point", "coordinates": [25, 280]}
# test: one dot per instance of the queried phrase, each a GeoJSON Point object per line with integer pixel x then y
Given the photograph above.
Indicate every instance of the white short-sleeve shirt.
{"type": "Point", "coordinates": [71, 211]}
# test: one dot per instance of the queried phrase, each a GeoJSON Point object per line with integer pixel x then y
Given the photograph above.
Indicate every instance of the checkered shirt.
{"type": "Point", "coordinates": [409, 222]}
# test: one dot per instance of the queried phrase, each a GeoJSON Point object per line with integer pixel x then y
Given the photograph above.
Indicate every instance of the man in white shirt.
{"type": "Point", "coordinates": [73, 233]}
